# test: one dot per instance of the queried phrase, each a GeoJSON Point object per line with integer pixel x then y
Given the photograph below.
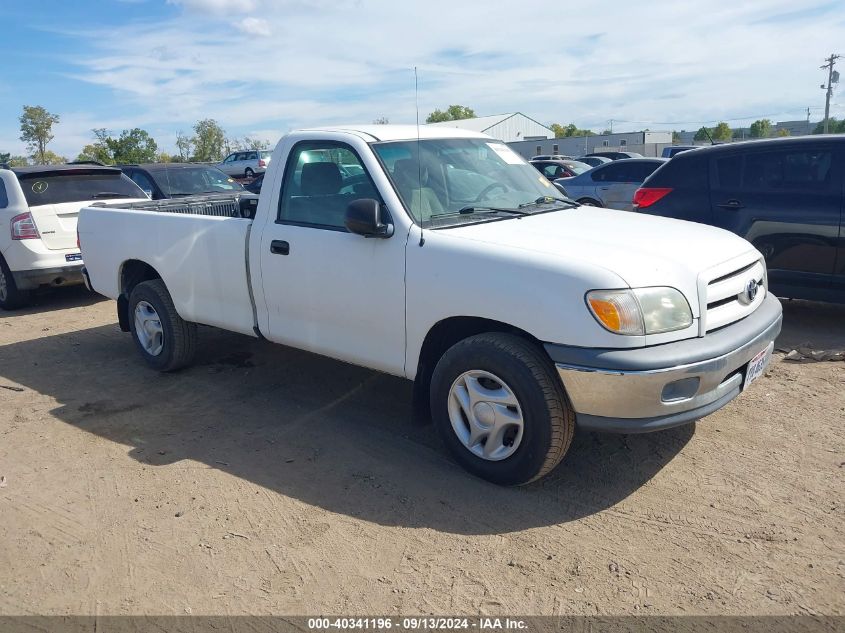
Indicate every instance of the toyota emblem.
{"type": "Point", "coordinates": [750, 292]}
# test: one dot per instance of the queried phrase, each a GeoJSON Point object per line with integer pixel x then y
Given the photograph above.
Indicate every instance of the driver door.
{"type": "Point", "coordinates": [327, 290]}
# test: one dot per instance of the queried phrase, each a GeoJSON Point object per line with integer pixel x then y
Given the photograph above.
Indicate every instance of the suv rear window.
{"type": "Point", "coordinates": [683, 171]}
{"type": "Point", "coordinates": [76, 185]}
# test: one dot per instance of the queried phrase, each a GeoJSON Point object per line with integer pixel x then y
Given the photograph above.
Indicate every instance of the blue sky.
{"type": "Point", "coordinates": [263, 67]}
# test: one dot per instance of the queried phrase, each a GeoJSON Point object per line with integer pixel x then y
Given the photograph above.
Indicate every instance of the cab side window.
{"type": "Point", "coordinates": [4, 198]}
{"type": "Point", "coordinates": [321, 179]}
{"type": "Point", "coordinates": [790, 170]}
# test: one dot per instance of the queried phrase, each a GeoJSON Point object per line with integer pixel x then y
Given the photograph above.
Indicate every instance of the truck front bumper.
{"type": "Point", "coordinates": [658, 387]}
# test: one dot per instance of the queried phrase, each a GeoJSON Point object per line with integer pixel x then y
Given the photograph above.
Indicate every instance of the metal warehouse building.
{"type": "Point", "coordinates": [505, 127]}
{"type": "Point", "coordinates": [646, 143]}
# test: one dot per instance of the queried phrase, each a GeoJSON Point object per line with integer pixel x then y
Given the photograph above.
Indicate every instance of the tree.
{"type": "Point", "coordinates": [164, 157]}
{"type": "Point", "coordinates": [835, 127]}
{"type": "Point", "coordinates": [50, 158]}
{"type": "Point", "coordinates": [184, 145]}
{"type": "Point", "coordinates": [382, 120]}
{"type": "Point", "coordinates": [133, 146]}
{"type": "Point", "coordinates": [208, 141]}
{"type": "Point", "coordinates": [18, 161]}
{"type": "Point", "coordinates": [676, 137]}
{"type": "Point", "coordinates": [37, 130]}
{"type": "Point", "coordinates": [702, 134]}
{"type": "Point", "coordinates": [722, 132]}
{"type": "Point", "coordinates": [452, 113]}
{"type": "Point", "coordinates": [99, 150]}
{"type": "Point", "coordinates": [566, 131]}
{"type": "Point", "coordinates": [762, 128]}
{"type": "Point", "coordinates": [783, 132]}
{"type": "Point", "coordinates": [13, 161]}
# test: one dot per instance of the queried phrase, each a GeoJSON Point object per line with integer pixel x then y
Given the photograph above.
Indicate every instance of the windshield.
{"type": "Point", "coordinates": [444, 181]}
{"type": "Point", "coordinates": [187, 181]}
{"type": "Point", "coordinates": [77, 185]}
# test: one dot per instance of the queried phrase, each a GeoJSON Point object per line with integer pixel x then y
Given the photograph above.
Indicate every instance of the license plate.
{"type": "Point", "coordinates": [73, 257]}
{"type": "Point", "coordinates": [758, 364]}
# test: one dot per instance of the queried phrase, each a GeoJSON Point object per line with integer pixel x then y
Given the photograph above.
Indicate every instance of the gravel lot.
{"type": "Point", "coordinates": [270, 481]}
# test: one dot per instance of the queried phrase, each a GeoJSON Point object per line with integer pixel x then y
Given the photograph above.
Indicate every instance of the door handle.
{"type": "Point", "coordinates": [730, 204]}
{"type": "Point", "coordinates": [279, 247]}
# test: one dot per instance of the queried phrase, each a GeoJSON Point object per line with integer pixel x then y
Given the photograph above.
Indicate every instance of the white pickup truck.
{"type": "Point", "coordinates": [441, 256]}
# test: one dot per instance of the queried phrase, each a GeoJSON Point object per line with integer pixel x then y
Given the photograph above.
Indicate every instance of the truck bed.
{"type": "Point", "coordinates": [197, 245]}
{"type": "Point", "coordinates": [241, 205]}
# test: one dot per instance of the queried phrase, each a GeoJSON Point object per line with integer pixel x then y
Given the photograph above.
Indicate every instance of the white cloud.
{"type": "Point", "coordinates": [254, 26]}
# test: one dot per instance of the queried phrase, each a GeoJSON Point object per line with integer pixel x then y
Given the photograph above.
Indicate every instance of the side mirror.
{"type": "Point", "coordinates": [363, 217]}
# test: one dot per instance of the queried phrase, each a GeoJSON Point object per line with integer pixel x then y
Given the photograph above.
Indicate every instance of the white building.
{"type": "Point", "coordinates": [508, 128]}
{"type": "Point", "coordinates": [646, 143]}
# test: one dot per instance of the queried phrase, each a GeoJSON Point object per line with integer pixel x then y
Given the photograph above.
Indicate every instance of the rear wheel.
{"type": "Point", "coordinates": [11, 298]}
{"type": "Point", "coordinates": [589, 202]}
{"type": "Point", "coordinates": [166, 341]}
{"type": "Point", "coordinates": [248, 173]}
{"type": "Point", "coordinates": [500, 409]}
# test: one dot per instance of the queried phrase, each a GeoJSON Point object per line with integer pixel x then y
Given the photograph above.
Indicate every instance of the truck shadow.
{"type": "Point", "coordinates": [816, 325]}
{"type": "Point", "coordinates": [324, 432]}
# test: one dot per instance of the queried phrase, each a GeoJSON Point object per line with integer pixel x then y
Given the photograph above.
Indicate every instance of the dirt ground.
{"type": "Point", "coordinates": [269, 481]}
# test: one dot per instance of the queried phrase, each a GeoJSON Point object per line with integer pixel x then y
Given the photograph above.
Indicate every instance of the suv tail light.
{"type": "Point", "coordinates": [23, 228]}
{"type": "Point", "coordinates": [262, 163]}
{"type": "Point", "coordinates": [647, 196]}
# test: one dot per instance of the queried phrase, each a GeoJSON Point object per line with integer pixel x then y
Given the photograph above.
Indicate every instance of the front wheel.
{"type": "Point", "coordinates": [166, 341]}
{"type": "Point", "coordinates": [11, 298]}
{"type": "Point", "coordinates": [500, 409]}
{"type": "Point", "coordinates": [248, 173]}
{"type": "Point", "coordinates": [589, 202]}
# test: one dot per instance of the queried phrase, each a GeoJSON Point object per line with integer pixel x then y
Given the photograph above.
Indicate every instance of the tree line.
{"type": "Point", "coordinates": [209, 143]}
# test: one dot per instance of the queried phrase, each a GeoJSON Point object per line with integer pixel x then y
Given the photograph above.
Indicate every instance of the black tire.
{"type": "Point", "coordinates": [548, 418]}
{"type": "Point", "coordinates": [589, 202]}
{"type": "Point", "coordinates": [248, 173]}
{"type": "Point", "coordinates": [179, 337]}
{"type": "Point", "coordinates": [11, 298]}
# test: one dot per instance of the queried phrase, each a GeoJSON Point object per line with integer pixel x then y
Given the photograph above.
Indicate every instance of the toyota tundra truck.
{"type": "Point", "coordinates": [441, 256]}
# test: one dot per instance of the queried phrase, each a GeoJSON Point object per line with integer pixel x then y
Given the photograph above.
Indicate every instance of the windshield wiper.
{"type": "Point", "coordinates": [548, 200]}
{"type": "Point", "coordinates": [473, 209]}
{"type": "Point", "coordinates": [111, 194]}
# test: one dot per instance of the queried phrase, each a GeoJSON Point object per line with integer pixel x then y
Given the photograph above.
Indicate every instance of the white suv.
{"type": "Point", "coordinates": [246, 164]}
{"type": "Point", "coordinates": [38, 210]}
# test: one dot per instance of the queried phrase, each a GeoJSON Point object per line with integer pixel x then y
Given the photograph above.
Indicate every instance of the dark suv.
{"type": "Point", "coordinates": [785, 196]}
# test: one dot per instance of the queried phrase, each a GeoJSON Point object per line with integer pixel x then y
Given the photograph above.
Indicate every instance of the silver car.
{"type": "Point", "coordinates": [246, 164]}
{"type": "Point", "coordinates": [611, 185]}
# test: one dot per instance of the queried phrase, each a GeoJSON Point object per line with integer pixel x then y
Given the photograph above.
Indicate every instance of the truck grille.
{"type": "Point", "coordinates": [734, 296]}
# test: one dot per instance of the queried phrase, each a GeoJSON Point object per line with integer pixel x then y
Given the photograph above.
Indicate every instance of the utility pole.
{"type": "Point", "coordinates": [831, 79]}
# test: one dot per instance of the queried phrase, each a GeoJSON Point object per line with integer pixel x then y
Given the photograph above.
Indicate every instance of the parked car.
{"type": "Point", "coordinates": [611, 185]}
{"type": "Point", "coordinates": [616, 155]}
{"type": "Point", "coordinates": [551, 157]}
{"type": "Point", "coordinates": [669, 152]}
{"type": "Point", "coordinates": [593, 161]}
{"type": "Point", "coordinates": [246, 164]}
{"type": "Point", "coordinates": [785, 196]}
{"type": "Point", "coordinates": [554, 169]}
{"type": "Point", "coordinates": [518, 315]}
{"type": "Point", "coordinates": [255, 185]}
{"type": "Point", "coordinates": [172, 180]}
{"type": "Point", "coordinates": [38, 210]}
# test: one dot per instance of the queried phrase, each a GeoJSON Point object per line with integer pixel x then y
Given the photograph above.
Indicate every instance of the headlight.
{"type": "Point", "coordinates": [640, 311]}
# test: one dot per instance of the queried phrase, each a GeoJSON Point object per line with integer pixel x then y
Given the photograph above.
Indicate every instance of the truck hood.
{"type": "Point", "coordinates": [643, 250]}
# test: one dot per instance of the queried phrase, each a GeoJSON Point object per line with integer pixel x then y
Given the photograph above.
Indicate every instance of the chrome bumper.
{"type": "Point", "coordinates": [639, 400]}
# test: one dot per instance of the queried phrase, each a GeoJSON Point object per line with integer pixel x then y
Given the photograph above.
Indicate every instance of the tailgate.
{"type": "Point", "coordinates": [57, 223]}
